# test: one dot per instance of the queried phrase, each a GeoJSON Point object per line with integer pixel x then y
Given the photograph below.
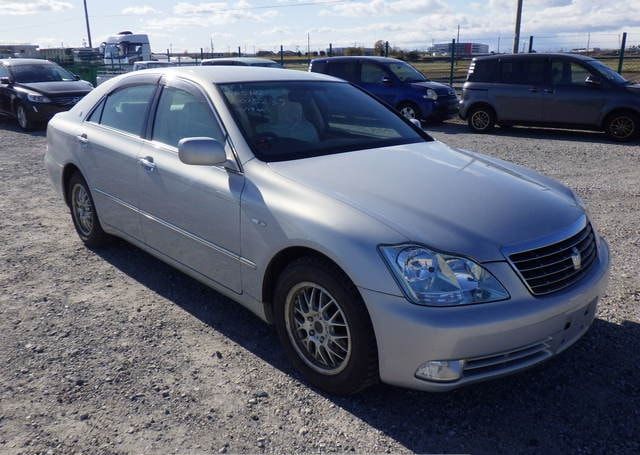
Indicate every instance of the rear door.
{"type": "Point", "coordinates": [518, 95]}
{"type": "Point", "coordinates": [570, 100]}
{"type": "Point", "coordinates": [109, 144]}
{"type": "Point", "coordinates": [190, 213]}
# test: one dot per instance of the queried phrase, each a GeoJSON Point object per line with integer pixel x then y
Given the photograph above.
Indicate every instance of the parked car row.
{"type": "Point", "coordinates": [553, 90]}
{"type": "Point", "coordinates": [378, 253]}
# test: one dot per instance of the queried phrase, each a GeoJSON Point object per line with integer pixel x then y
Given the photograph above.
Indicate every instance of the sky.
{"type": "Point", "coordinates": [265, 24]}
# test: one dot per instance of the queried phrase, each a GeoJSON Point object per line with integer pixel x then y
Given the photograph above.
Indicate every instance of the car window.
{"type": "Point", "coordinates": [406, 72]}
{"type": "Point", "coordinates": [97, 112]}
{"type": "Point", "coordinates": [40, 72]}
{"type": "Point", "coordinates": [482, 71]}
{"type": "Point", "coordinates": [183, 114]}
{"type": "Point", "coordinates": [287, 120]}
{"type": "Point", "coordinates": [568, 73]}
{"type": "Point", "coordinates": [528, 72]}
{"type": "Point", "coordinates": [370, 73]}
{"type": "Point", "coordinates": [125, 109]}
{"type": "Point", "coordinates": [343, 70]}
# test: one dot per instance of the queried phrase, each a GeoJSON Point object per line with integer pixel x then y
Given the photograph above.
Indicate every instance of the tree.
{"type": "Point", "coordinates": [379, 47]}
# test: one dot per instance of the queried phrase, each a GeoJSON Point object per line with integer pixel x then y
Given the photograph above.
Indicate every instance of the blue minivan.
{"type": "Point", "coordinates": [395, 82]}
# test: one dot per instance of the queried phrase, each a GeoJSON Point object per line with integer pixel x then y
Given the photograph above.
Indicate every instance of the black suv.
{"type": "Point", "coordinates": [556, 90]}
{"type": "Point", "coordinates": [396, 83]}
{"type": "Point", "coordinates": [32, 91]}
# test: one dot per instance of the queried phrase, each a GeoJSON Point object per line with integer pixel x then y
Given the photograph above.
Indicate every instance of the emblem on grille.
{"type": "Point", "coordinates": [576, 258]}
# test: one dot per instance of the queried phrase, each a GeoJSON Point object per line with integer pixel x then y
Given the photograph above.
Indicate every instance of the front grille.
{"type": "Point", "coordinates": [554, 267]}
{"type": "Point", "coordinates": [509, 360]}
{"type": "Point", "coordinates": [66, 100]}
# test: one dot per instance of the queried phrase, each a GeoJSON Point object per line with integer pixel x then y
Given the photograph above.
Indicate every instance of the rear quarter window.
{"type": "Point", "coordinates": [344, 70]}
{"type": "Point", "coordinates": [319, 67]}
{"type": "Point", "coordinates": [483, 71]}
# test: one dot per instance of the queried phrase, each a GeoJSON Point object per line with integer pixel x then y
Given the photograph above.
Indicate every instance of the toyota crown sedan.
{"type": "Point", "coordinates": [377, 252]}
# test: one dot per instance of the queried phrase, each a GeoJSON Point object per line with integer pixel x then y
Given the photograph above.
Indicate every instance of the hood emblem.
{"type": "Point", "coordinates": [576, 258]}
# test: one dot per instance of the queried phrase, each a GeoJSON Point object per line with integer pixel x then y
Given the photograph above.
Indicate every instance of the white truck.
{"type": "Point", "coordinates": [120, 52]}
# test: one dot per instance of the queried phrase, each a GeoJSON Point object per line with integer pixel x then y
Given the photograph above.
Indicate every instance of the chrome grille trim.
{"type": "Point", "coordinates": [549, 268]}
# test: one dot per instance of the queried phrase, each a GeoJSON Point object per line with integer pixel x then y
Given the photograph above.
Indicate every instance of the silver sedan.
{"type": "Point", "coordinates": [377, 252]}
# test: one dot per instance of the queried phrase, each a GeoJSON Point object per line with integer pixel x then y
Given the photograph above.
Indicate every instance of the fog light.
{"type": "Point", "coordinates": [440, 370]}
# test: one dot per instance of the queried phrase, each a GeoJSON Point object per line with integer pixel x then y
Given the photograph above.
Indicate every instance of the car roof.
{"type": "Point", "coordinates": [25, 61]}
{"type": "Point", "coordinates": [534, 55]}
{"type": "Point", "coordinates": [240, 59]}
{"type": "Point", "coordinates": [357, 57]}
{"type": "Point", "coordinates": [229, 74]}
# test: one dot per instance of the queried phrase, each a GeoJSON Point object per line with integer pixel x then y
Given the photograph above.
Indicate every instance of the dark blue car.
{"type": "Point", "coordinates": [395, 82]}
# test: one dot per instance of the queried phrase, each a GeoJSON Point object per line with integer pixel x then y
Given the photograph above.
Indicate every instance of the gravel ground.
{"type": "Point", "coordinates": [112, 351]}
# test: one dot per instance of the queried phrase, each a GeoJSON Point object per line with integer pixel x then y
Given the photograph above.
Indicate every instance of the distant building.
{"type": "Point", "coordinates": [462, 49]}
{"type": "Point", "coordinates": [58, 54]}
{"type": "Point", "coordinates": [19, 51]}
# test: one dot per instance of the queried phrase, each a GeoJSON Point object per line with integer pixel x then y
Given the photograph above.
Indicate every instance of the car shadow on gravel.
{"type": "Point", "coordinates": [585, 400]}
{"type": "Point", "coordinates": [9, 124]}
{"type": "Point", "coordinates": [527, 132]}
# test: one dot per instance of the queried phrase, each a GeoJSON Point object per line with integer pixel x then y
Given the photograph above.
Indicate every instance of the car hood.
{"type": "Point", "coordinates": [451, 200]}
{"type": "Point", "coordinates": [441, 89]}
{"type": "Point", "coordinates": [58, 87]}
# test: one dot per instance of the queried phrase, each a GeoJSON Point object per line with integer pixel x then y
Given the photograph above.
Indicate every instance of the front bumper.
{"type": "Point", "coordinates": [494, 339]}
{"type": "Point", "coordinates": [45, 111]}
{"type": "Point", "coordinates": [443, 108]}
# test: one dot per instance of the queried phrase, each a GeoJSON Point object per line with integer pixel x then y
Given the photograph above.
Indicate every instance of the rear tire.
{"type": "Point", "coordinates": [83, 213]}
{"type": "Point", "coordinates": [622, 126]}
{"type": "Point", "coordinates": [481, 119]}
{"type": "Point", "coordinates": [324, 327]}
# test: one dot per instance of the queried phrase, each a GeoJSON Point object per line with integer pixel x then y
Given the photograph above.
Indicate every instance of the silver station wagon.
{"type": "Point", "coordinates": [377, 252]}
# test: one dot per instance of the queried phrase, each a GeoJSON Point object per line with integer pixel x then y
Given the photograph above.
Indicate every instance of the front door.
{"type": "Point", "coordinates": [190, 213]}
{"type": "Point", "coordinates": [570, 99]}
{"type": "Point", "coordinates": [110, 141]}
{"type": "Point", "coordinates": [376, 79]}
{"type": "Point", "coordinates": [518, 95]}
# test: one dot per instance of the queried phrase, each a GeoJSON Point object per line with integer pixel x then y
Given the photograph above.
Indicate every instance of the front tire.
{"type": "Point", "coordinates": [481, 119]}
{"type": "Point", "coordinates": [24, 118]}
{"type": "Point", "coordinates": [83, 213]}
{"type": "Point", "coordinates": [409, 111]}
{"type": "Point", "coordinates": [622, 126]}
{"type": "Point", "coordinates": [324, 327]}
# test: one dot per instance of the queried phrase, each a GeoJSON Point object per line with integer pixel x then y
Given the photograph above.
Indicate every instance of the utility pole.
{"type": "Point", "coordinates": [458, 37]}
{"type": "Point", "coordinates": [211, 42]}
{"type": "Point", "coordinates": [86, 18]}
{"type": "Point", "coordinates": [516, 38]}
{"type": "Point", "coordinates": [308, 46]}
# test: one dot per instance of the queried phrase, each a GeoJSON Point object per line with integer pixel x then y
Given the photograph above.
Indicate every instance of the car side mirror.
{"type": "Point", "coordinates": [592, 81]}
{"type": "Point", "coordinates": [76, 77]}
{"type": "Point", "coordinates": [386, 80]}
{"type": "Point", "coordinates": [201, 151]}
{"type": "Point", "coordinates": [5, 80]}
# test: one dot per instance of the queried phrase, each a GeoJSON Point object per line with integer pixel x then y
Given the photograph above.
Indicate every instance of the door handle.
{"type": "Point", "coordinates": [147, 163]}
{"type": "Point", "coordinates": [533, 90]}
{"type": "Point", "coordinates": [82, 138]}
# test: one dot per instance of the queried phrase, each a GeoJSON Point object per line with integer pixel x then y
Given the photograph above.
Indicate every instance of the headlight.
{"type": "Point", "coordinates": [431, 94]}
{"type": "Point", "coordinates": [436, 279]}
{"type": "Point", "coordinates": [37, 98]}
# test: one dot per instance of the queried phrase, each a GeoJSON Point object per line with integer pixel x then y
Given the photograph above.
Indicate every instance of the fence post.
{"type": "Point", "coordinates": [621, 56]}
{"type": "Point", "coordinates": [531, 44]}
{"type": "Point", "coordinates": [168, 56]}
{"type": "Point", "coordinates": [386, 48]}
{"type": "Point", "coordinates": [281, 56]}
{"type": "Point", "coordinates": [453, 61]}
{"type": "Point", "coordinates": [330, 50]}
{"type": "Point", "coordinates": [239, 52]}
{"type": "Point", "coordinates": [201, 54]}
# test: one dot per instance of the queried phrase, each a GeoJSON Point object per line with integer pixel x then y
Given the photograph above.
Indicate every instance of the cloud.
{"type": "Point", "coordinates": [18, 8]}
{"type": "Point", "coordinates": [140, 10]}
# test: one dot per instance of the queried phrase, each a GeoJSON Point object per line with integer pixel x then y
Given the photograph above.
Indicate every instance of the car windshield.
{"type": "Point", "coordinates": [407, 73]}
{"type": "Point", "coordinates": [288, 120]}
{"type": "Point", "coordinates": [40, 73]}
{"type": "Point", "coordinates": [607, 72]}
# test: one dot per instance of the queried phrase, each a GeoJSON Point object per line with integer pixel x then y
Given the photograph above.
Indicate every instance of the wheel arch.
{"type": "Point", "coordinates": [279, 262]}
{"type": "Point", "coordinates": [485, 104]}
{"type": "Point", "coordinates": [617, 110]}
{"type": "Point", "coordinates": [67, 172]}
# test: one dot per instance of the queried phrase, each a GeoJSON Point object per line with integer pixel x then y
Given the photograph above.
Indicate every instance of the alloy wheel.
{"type": "Point", "coordinates": [622, 127]}
{"type": "Point", "coordinates": [21, 114]}
{"type": "Point", "coordinates": [480, 120]}
{"type": "Point", "coordinates": [408, 112]}
{"type": "Point", "coordinates": [318, 328]}
{"type": "Point", "coordinates": [82, 209]}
